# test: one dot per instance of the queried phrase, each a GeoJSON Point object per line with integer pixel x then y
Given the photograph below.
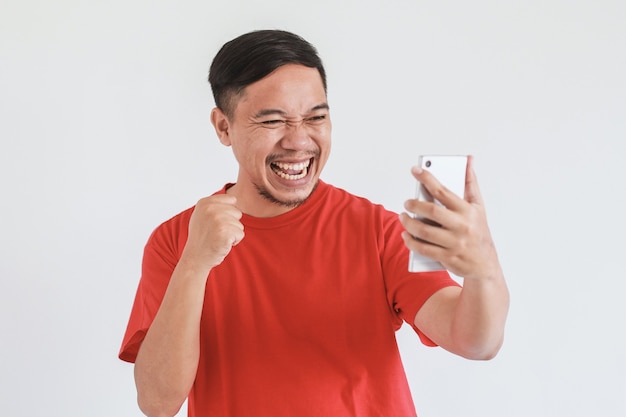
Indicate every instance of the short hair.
{"type": "Point", "coordinates": [251, 57]}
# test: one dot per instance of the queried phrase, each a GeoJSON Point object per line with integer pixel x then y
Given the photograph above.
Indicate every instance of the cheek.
{"type": "Point", "coordinates": [323, 138]}
{"type": "Point", "coordinates": [252, 152]}
{"type": "Point", "coordinates": [321, 133]}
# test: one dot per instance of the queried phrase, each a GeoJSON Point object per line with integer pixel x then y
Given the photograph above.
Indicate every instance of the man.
{"type": "Point", "coordinates": [280, 295]}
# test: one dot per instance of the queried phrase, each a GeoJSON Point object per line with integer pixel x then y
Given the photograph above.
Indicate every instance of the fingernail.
{"type": "Point", "coordinates": [417, 170]}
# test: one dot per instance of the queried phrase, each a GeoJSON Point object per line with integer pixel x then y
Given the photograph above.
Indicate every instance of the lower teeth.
{"type": "Point", "coordinates": [291, 177]}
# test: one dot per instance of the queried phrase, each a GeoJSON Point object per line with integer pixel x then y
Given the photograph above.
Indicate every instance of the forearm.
{"type": "Point", "coordinates": [468, 321]}
{"type": "Point", "coordinates": [167, 361]}
{"type": "Point", "coordinates": [477, 326]}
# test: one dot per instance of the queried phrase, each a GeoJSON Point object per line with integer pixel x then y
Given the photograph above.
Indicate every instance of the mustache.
{"type": "Point", "coordinates": [292, 155]}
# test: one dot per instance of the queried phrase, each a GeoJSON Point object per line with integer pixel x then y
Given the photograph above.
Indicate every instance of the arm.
{"type": "Point", "coordinates": [168, 358]}
{"type": "Point", "coordinates": [468, 321]}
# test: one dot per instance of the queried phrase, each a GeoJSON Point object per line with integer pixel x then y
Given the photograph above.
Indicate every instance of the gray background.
{"type": "Point", "coordinates": [105, 133]}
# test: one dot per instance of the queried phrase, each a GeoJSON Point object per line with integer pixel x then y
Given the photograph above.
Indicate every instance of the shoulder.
{"type": "Point", "coordinates": [340, 199]}
{"type": "Point", "coordinates": [356, 211]}
{"type": "Point", "coordinates": [169, 238]}
{"type": "Point", "coordinates": [173, 232]}
{"type": "Point", "coordinates": [336, 194]}
{"type": "Point", "coordinates": [180, 221]}
{"type": "Point", "coordinates": [173, 225]}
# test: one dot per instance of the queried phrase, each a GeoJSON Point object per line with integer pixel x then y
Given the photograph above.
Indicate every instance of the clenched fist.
{"type": "Point", "coordinates": [214, 228]}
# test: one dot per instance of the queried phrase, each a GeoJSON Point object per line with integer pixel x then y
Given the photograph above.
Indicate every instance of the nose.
{"type": "Point", "coordinates": [296, 136]}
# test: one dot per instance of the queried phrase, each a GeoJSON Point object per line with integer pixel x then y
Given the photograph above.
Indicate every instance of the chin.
{"type": "Point", "coordinates": [290, 199]}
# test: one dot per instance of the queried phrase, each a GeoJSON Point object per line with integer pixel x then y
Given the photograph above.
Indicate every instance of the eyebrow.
{"type": "Point", "coordinates": [267, 112]}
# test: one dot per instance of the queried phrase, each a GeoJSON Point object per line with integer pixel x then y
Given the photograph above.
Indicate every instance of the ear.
{"type": "Point", "coordinates": [222, 126]}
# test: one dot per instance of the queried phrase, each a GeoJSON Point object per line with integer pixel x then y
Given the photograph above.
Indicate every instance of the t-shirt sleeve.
{"type": "Point", "coordinates": [407, 291]}
{"type": "Point", "coordinates": [161, 254]}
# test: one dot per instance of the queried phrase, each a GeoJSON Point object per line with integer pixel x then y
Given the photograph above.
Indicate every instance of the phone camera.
{"type": "Point", "coordinates": [428, 164]}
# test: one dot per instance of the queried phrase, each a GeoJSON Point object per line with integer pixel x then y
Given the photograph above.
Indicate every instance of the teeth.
{"type": "Point", "coordinates": [293, 167]}
{"type": "Point", "coordinates": [301, 168]}
{"type": "Point", "coordinates": [292, 177]}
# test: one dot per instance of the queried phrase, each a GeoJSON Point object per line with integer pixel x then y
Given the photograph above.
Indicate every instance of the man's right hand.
{"type": "Point", "coordinates": [214, 228]}
{"type": "Point", "coordinates": [168, 358]}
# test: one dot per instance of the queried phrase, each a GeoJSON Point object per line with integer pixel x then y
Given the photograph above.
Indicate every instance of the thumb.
{"type": "Point", "coordinates": [472, 191]}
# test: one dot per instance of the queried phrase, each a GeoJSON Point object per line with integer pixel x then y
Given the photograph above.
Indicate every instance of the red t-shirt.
{"type": "Point", "coordinates": [300, 318]}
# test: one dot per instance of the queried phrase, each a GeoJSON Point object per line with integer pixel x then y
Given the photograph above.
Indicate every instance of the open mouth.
{"type": "Point", "coordinates": [291, 171]}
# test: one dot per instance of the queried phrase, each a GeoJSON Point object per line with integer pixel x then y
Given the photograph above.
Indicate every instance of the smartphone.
{"type": "Point", "coordinates": [450, 171]}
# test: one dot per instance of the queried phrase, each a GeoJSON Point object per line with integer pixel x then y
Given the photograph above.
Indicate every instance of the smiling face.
{"type": "Point", "coordinates": [280, 135]}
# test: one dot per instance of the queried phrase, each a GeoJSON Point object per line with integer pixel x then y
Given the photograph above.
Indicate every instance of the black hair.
{"type": "Point", "coordinates": [254, 55]}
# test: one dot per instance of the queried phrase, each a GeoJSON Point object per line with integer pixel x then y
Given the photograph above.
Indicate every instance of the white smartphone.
{"type": "Point", "coordinates": [450, 171]}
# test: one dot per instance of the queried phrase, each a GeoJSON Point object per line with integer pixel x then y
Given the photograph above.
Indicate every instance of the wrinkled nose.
{"type": "Point", "coordinates": [296, 137]}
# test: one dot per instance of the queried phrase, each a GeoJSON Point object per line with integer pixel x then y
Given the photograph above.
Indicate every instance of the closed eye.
{"type": "Point", "coordinates": [318, 118]}
{"type": "Point", "coordinates": [275, 122]}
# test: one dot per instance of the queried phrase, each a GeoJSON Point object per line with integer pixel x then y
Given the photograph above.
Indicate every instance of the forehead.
{"type": "Point", "coordinates": [291, 88]}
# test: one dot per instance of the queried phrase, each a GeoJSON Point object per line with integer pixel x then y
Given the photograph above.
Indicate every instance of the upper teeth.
{"type": "Point", "coordinates": [292, 172]}
{"type": "Point", "coordinates": [294, 167]}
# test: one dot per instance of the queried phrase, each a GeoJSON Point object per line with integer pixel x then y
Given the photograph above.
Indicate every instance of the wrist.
{"type": "Point", "coordinates": [194, 266]}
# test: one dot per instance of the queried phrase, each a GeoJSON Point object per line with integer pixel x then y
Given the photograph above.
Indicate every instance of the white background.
{"type": "Point", "coordinates": [105, 132]}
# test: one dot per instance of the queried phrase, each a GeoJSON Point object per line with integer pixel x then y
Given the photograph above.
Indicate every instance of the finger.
{"type": "Point", "coordinates": [222, 203]}
{"type": "Point", "coordinates": [436, 189]}
{"type": "Point", "coordinates": [427, 249]}
{"type": "Point", "coordinates": [437, 213]}
{"type": "Point", "coordinates": [472, 191]}
{"type": "Point", "coordinates": [426, 231]}
{"type": "Point", "coordinates": [238, 237]}
{"type": "Point", "coordinates": [220, 198]}
{"type": "Point", "coordinates": [232, 211]}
